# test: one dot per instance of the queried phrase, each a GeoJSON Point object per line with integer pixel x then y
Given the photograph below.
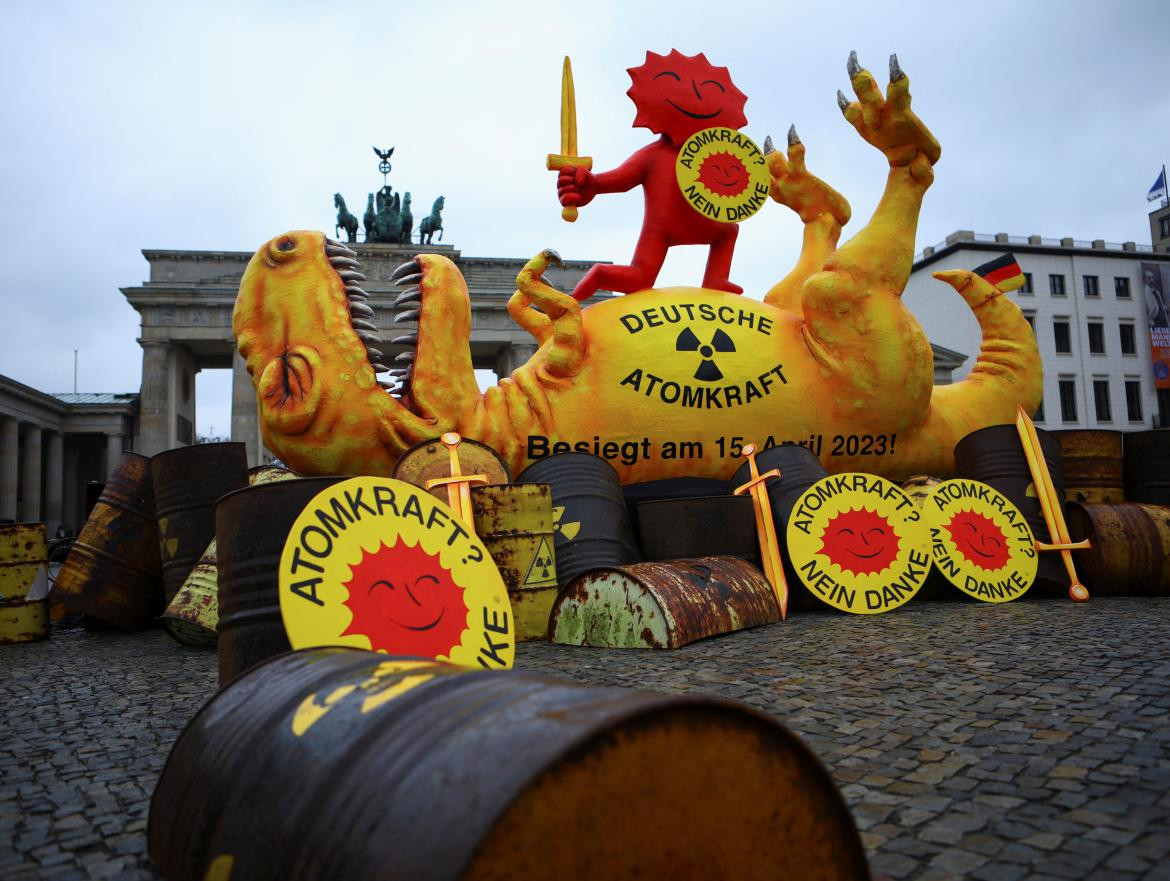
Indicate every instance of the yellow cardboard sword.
{"type": "Point", "coordinates": [766, 527]}
{"type": "Point", "coordinates": [568, 157]}
{"type": "Point", "coordinates": [1050, 505]}
{"type": "Point", "coordinates": [458, 490]}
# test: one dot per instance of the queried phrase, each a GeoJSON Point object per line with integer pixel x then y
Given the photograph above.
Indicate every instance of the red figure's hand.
{"type": "Point", "coordinates": [576, 186]}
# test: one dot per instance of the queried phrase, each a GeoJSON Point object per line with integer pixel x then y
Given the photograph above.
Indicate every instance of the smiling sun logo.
{"type": "Point", "coordinates": [860, 541]}
{"type": "Point", "coordinates": [724, 174]}
{"type": "Point", "coordinates": [405, 602]}
{"type": "Point", "coordinates": [979, 539]}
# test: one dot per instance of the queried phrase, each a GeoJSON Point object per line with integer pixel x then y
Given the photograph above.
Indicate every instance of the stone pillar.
{"type": "Point", "coordinates": [30, 475]}
{"type": "Point", "coordinates": [512, 357]}
{"type": "Point", "coordinates": [54, 472]}
{"type": "Point", "coordinates": [9, 466]}
{"type": "Point", "coordinates": [72, 501]}
{"type": "Point", "coordinates": [245, 414]}
{"type": "Point", "coordinates": [114, 448]}
{"type": "Point", "coordinates": [154, 405]}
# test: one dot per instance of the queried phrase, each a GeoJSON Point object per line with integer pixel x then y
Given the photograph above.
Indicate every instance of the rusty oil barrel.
{"type": "Point", "coordinates": [192, 617]}
{"type": "Point", "coordinates": [706, 526]}
{"type": "Point", "coordinates": [515, 522]}
{"type": "Point", "coordinates": [1130, 555]}
{"type": "Point", "coordinates": [431, 460]}
{"type": "Point", "coordinates": [590, 515]}
{"type": "Point", "coordinates": [1092, 462]}
{"type": "Point", "coordinates": [662, 605]}
{"type": "Point", "coordinates": [1147, 466]}
{"type": "Point", "coordinates": [338, 763]}
{"type": "Point", "coordinates": [23, 620]}
{"type": "Point", "coordinates": [799, 469]}
{"type": "Point", "coordinates": [251, 526]}
{"type": "Point", "coordinates": [994, 456]}
{"type": "Point", "coordinates": [24, 558]}
{"type": "Point", "coordinates": [188, 481]}
{"type": "Point", "coordinates": [668, 488]}
{"type": "Point", "coordinates": [113, 572]}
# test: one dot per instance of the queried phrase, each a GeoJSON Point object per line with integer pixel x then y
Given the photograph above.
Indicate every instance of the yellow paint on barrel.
{"type": "Point", "coordinates": [23, 621]}
{"type": "Point", "coordinates": [22, 561]}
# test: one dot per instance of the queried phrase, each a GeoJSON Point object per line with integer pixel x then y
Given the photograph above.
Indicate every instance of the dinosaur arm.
{"type": "Point", "coordinates": [820, 240]}
{"type": "Point", "coordinates": [289, 390]}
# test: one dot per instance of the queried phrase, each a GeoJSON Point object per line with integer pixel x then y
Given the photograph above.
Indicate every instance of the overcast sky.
{"type": "Point", "coordinates": [219, 125]}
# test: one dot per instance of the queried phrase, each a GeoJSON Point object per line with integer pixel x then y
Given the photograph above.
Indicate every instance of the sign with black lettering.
{"type": "Point", "coordinates": [722, 174]}
{"type": "Point", "coordinates": [859, 543]}
{"type": "Point", "coordinates": [980, 541]}
{"type": "Point", "coordinates": [380, 564]}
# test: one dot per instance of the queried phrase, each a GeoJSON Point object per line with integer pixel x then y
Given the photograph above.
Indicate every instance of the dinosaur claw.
{"type": "Point", "coordinates": [552, 257]}
{"type": "Point", "coordinates": [769, 147]}
{"type": "Point", "coordinates": [410, 339]}
{"type": "Point", "coordinates": [405, 317]}
{"type": "Point", "coordinates": [793, 137]}
{"type": "Point", "coordinates": [411, 295]}
{"type": "Point", "coordinates": [407, 268]}
{"type": "Point", "coordinates": [842, 101]}
{"type": "Point", "coordinates": [896, 72]}
{"type": "Point", "coordinates": [852, 65]}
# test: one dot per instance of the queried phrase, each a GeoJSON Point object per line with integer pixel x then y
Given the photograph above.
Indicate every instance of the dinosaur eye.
{"type": "Point", "coordinates": [285, 244]}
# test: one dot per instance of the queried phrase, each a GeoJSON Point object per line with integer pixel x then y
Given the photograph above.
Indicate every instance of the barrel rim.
{"type": "Point", "coordinates": [285, 484]}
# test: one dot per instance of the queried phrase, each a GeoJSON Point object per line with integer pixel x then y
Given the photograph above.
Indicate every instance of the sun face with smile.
{"type": "Point", "coordinates": [724, 174]}
{"type": "Point", "coordinates": [860, 541]}
{"type": "Point", "coordinates": [677, 95]}
{"type": "Point", "coordinates": [980, 540]}
{"type": "Point", "coordinates": [405, 602]}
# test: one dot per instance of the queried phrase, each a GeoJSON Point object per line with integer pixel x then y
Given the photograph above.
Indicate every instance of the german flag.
{"type": "Point", "coordinates": [1003, 272]}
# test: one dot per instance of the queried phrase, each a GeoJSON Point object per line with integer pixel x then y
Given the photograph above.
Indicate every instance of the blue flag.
{"type": "Point", "coordinates": [1158, 190]}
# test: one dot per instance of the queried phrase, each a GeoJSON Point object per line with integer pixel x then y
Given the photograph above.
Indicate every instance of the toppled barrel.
{"type": "Point", "coordinates": [1130, 553]}
{"type": "Point", "coordinates": [113, 572]}
{"type": "Point", "coordinates": [344, 764]}
{"type": "Point", "coordinates": [662, 605]}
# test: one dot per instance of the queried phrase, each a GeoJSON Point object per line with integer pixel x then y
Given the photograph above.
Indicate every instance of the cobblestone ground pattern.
{"type": "Point", "coordinates": [1027, 740]}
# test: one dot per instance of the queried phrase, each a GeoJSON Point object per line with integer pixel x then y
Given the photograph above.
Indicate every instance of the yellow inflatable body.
{"type": "Point", "coordinates": [662, 383]}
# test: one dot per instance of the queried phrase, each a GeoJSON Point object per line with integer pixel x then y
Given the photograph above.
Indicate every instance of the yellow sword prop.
{"type": "Point", "coordinates": [1050, 504]}
{"type": "Point", "coordinates": [766, 528]}
{"type": "Point", "coordinates": [458, 490]}
{"type": "Point", "coordinates": [568, 157]}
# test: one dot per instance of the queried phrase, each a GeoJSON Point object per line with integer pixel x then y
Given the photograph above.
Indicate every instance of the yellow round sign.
{"type": "Point", "coordinates": [380, 564]}
{"type": "Point", "coordinates": [859, 543]}
{"type": "Point", "coordinates": [722, 174]}
{"type": "Point", "coordinates": [980, 541]}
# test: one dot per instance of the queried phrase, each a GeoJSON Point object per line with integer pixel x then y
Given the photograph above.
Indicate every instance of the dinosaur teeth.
{"type": "Point", "coordinates": [348, 275]}
{"type": "Point", "coordinates": [354, 291]}
{"type": "Point", "coordinates": [411, 266]}
{"type": "Point", "coordinates": [369, 339]}
{"type": "Point", "coordinates": [379, 367]}
{"type": "Point", "coordinates": [362, 324]}
{"type": "Point", "coordinates": [405, 358]}
{"type": "Point", "coordinates": [409, 296]}
{"type": "Point", "coordinates": [412, 279]}
{"type": "Point", "coordinates": [345, 263]}
{"type": "Point", "coordinates": [359, 309]}
{"type": "Point", "coordinates": [373, 355]}
{"type": "Point", "coordinates": [335, 248]}
{"type": "Point", "coordinates": [388, 386]}
{"type": "Point", "coordinates": [407, 316]}
{"type": "Point", "coordinates": [410, 339]}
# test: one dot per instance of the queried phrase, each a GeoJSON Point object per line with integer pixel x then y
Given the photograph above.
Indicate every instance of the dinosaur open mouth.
{"type": "Point", "coordinates": [344, 261]}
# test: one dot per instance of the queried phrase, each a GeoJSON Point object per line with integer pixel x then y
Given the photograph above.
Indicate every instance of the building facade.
{"type": "Point", "coordinates": [1087, 305]}
{"type": "Point", "coordinates": [1160, 227]}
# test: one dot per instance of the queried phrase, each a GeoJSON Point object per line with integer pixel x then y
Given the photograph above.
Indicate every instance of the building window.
{"type": "Point", "coordinates": [1133, 400]}
{"type": "Point", "coordinates": [1056, 285]}
{"type": "Point", "coordinates": [1039, 417]}
{"type": "Point", "coordinates": [1092, 288]}
{"type": "Point", "coordinates": [1128, 343]}
{"type": "Point", "coordinates": [1030, 317]}
{"type": "Point", "coordinates": [1096, 338]}
{"type": "Point", "coordinates": [1121, 288]}
{"type": "Point", "coordinates": [1101, 400]}
{"type": "Point", "coordinates": [1061, 336]}
{"type": "Point", "coordinates": [1027, 287]}
{"type": "Point", "coordinates": [1164, 227]}
{"type": "Point", "coordinates": [1068, 400]}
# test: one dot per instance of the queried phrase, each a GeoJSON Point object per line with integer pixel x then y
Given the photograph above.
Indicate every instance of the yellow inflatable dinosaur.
{"type": "Point", "coordinates": [664, 382]}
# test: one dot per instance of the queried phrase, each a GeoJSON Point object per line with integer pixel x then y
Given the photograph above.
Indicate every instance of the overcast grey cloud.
{"type": "Point", "coordinates": [209, 125]}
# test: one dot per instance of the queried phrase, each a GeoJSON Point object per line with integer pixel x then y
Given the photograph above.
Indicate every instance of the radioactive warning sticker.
{"type": "Point", "coordinates": [980, 541]}
{"type": "Point", "coordinates": [859, 543]}
{"type": "Point", "coordinates": [722, 174]}
{"type": "Point", "coordinates": [380, 564]}
{"type": "Point", "coordinates": [542, 571]}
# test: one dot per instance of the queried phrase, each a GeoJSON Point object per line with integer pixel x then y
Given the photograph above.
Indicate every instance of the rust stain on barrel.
{"type": "Point", "coordinates": [23, 555]}
{"type": "Point", "coordinates": [1130, 555]}
{"type": "Point", "coordinates": [1093, 469]}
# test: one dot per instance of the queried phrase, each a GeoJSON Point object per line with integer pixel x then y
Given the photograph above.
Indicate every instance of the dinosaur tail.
{"type": "Point", "coordinates": [1008, 372]}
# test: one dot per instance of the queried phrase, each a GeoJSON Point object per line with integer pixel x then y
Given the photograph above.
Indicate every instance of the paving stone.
{"type": "Point", "coordinates": [996, 743]}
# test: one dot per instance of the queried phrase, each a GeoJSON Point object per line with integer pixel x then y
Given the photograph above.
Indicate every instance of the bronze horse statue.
{"type": "Point", "coordinates": [406, 221]}
{"type": "Point", "coordinates": [432, 223]}
{"type": "Point", "coordinates": [345, 220]}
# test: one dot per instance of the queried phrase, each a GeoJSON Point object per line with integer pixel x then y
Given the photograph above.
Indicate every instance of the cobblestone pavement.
{"type": "Point", "coordinates": [1029, 740]}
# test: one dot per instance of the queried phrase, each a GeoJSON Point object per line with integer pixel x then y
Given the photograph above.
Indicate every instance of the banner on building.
{"type": "Point", "coordinates": [1156, 290]}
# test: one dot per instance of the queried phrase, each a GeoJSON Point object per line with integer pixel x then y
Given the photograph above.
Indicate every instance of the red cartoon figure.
{"type": "Point", "coordinates": [676, 96]}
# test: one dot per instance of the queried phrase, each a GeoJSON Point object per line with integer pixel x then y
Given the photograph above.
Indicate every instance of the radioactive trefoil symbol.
{"type": "Point", "coordinates": [568, 530]}
{"type": "Point", "coordinates": [540, 571]}
{"type": "Point", "coordinates": [707, 371]}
